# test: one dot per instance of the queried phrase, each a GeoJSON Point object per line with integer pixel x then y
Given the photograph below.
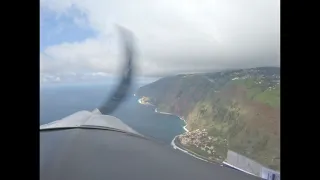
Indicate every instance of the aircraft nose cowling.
{"type": "Point", "coordinates": [86, 118]}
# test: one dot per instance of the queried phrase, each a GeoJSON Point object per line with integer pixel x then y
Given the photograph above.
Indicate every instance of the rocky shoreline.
{"type": "Point", "coordinates": [173, 144]}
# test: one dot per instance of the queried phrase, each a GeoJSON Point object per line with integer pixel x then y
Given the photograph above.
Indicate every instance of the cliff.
{"type": "Point", "coordinates": [240, 108]}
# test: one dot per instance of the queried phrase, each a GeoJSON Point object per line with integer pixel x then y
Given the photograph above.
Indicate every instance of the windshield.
{"type": "Point", "coordinates": [206, 74]}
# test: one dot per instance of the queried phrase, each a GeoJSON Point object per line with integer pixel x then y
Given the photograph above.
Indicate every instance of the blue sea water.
{"type": "Point", "coordinates": [60, 100]}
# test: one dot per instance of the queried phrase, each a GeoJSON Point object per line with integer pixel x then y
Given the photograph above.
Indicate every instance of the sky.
{"type": "Point", "coordinates": [79, 37]}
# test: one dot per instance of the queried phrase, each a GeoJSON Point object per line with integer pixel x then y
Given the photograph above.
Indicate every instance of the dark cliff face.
{"type": "Point", "coordinates": [242, 106]}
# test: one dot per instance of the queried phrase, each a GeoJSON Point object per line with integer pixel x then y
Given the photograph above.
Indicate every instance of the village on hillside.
{"type": "Point", "coordinates": [145, 101]}
{"type": "Point", "coordinates": [198, 141]}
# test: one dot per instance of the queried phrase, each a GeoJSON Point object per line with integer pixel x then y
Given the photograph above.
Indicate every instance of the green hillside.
{"type": "Point", "coordinates": [239, 107]}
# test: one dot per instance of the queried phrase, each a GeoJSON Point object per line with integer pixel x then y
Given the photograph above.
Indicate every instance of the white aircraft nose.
{"type": "Point", "coordinates": [86, 118]}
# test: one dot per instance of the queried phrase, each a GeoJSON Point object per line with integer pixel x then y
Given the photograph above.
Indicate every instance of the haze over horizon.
{"type": "Point", "coordinates": [78, 36]}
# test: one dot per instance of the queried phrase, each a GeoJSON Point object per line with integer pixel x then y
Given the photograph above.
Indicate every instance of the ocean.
{"type": "Point", "coordinates": [60, 100]}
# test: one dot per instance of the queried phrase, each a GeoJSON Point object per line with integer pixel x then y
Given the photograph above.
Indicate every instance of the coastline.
{"type": "Point", "coordinates": [174, 146]}
{"type": "Point", "coordinates": [181, 118]}
{"type": "Point", "coordinates": [186, 151]}
{"type": "Point", "coordinates": [156, 111]}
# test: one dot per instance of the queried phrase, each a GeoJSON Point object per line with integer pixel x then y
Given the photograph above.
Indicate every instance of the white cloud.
{"type": "Point", "coordinates": [173, 36]}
